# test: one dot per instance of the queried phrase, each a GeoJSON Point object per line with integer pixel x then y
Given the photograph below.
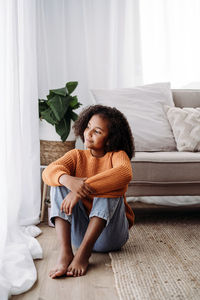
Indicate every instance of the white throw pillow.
{"type": "Point", "coordinates": [143, 107]}
{"type": "Point", "coordinates": [185, 123]}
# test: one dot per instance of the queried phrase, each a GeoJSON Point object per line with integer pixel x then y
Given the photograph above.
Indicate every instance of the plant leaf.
{"type": "Point", "coordinates": [61, 91]}
{"type": "Point", "coordinates": [74, 116]}
{"type": "Point", "coordinates": [42, 105]}
{"type": "Point", "coordinates": [59, 106]}
{"type": "Point", "coordinates": [74, 104]}
{"type": "Point", "coordinates": [71, 115]}
{"type": "Point", "coordinates": [77, 105]}
{"type": "Point", "coordinates": [51, 95]}
{"type": "Point", "coordinates": [63, 128]}
{"type": "Point", "coordinates": [73, 101]}
{"type": "Point", "coordinates": [71, 85]}
{"type": "Point", "coordinates": [49, 116]}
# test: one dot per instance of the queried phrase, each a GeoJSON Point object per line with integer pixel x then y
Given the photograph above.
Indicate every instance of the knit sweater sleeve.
{"type": "Point", "coordinates": [64, 165]}
{"type": "Point", "coordinates": [116, 178]}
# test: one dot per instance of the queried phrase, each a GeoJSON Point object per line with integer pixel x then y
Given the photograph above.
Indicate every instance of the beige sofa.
{"type": "Point", "coordinates": [168, 173]}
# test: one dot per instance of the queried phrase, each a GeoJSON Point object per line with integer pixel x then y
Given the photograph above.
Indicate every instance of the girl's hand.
{"type": "Point", "coordinates": [77, 185]}
{"type": "Point", "coordinates": [69, 202]}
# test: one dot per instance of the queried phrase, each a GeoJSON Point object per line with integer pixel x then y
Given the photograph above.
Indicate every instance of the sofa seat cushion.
{"type": "Point", "coordinates": [166, 167]}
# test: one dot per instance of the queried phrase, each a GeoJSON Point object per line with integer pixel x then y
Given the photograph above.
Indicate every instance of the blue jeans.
{"type": "Point", "coordinates": [114, 235]}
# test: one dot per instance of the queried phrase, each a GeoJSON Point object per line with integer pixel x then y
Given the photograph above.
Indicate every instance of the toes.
{"type": "Point", "coordinates": [75, 272]}
{"type": "Point", "coordinates": [69, 273]}
{"type": "Point", "coordinates": [83, 272]}
{"type": "Point", "coordinates": [56, 273]}
{"type": "Point", "coordinates": [69, 269]}
{"type": "Point", "coordinates": [52, 272]}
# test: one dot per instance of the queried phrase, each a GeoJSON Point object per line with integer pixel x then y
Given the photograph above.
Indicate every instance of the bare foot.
{"type": "Point", "coordinates": [62, 264]}
{"type": "Point", "coordinates": [79, 264]}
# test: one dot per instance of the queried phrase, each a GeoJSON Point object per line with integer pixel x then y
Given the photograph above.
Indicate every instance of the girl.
{"type": "Point", "coordinates": [88, 204]}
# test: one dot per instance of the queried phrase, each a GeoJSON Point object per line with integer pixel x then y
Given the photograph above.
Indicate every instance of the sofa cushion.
{"type": "Point", "coordinates": [166, 167]}
{"type": "Point", "coordinates": [186, 97]}
{"type": "Point", "coordinates": [143, 107]}
{"type": "Point", "coordinates": [185, 123]}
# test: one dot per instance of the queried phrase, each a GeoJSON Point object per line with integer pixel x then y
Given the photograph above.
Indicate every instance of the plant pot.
{"type": "Point", "coordinates": [52, 150]}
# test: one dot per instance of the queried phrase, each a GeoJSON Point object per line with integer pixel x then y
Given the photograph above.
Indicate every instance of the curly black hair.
{"type": "Point", "coordinates": [120, 136]}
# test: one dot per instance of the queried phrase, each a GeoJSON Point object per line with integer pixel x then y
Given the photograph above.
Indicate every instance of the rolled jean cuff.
{"type": "Point", "coordinates": [100, 215]}
{"type": "Point", "coordinates": [62, 216]}
{"type": "Point", "coordinates": [57, 195]}
{"type": "Point", "coordinates": [104, 208]}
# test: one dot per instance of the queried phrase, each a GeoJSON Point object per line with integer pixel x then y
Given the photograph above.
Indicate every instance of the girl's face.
{"type": "Point", "coordinates": [96, 135]}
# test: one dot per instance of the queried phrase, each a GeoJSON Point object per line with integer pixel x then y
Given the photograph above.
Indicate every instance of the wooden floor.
{"type": "Point", "coordinates": [98, 283]}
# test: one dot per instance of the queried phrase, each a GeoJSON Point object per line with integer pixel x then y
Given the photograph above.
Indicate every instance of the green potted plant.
{"type": "Point", "coordinates": [58, 112]}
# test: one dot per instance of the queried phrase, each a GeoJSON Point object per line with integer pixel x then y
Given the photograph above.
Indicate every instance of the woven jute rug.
{"type": "Point", "coordinates": [161, 259]}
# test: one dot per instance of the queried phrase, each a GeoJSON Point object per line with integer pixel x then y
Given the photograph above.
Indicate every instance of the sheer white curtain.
{"type": "Point", "coordinates": [88, 41]}
{"type": "Point", "coordinates": [170, 43]}
{"type": "Point", "coordinates": [20, 167]}
{"type": "Point", "coordinates": [117, 43]}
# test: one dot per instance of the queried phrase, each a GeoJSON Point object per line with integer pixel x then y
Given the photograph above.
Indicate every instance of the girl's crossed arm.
{"type": "Point", "coordinates": [76, 185]}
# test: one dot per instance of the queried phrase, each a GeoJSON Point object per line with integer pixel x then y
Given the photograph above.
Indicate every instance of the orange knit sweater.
{"type": "Point", "coordinates": [108, 175]}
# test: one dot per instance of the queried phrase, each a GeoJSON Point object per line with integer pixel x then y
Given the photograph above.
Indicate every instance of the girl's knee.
{"type": "Point", "coordinates": [108, 246]}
